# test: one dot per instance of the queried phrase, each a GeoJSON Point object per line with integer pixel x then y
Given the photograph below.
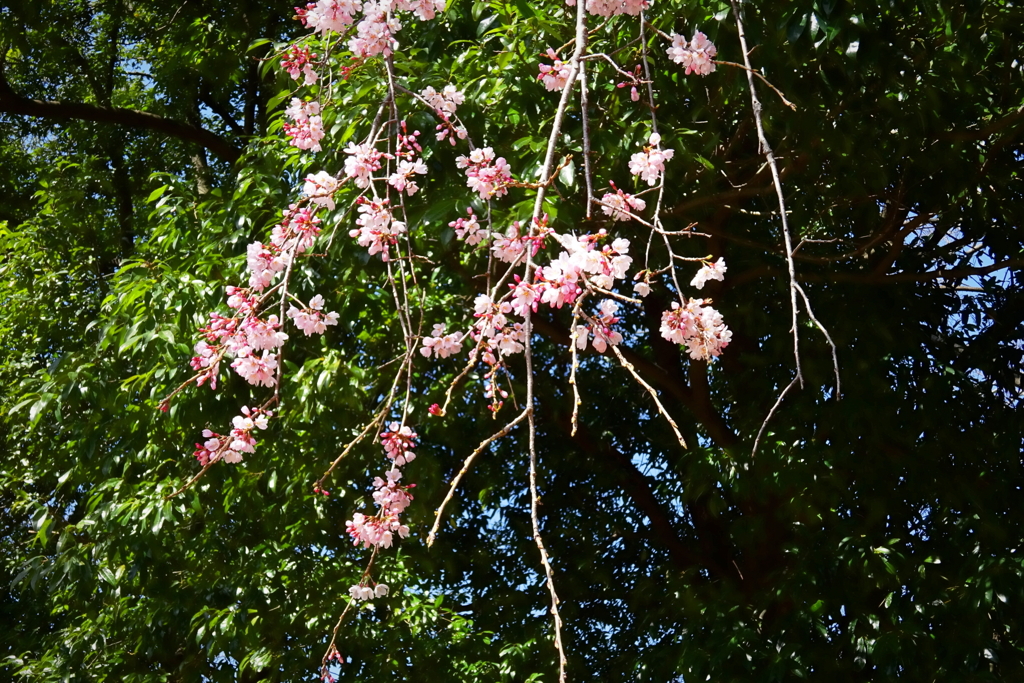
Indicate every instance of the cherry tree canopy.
{"type": "Point", "coordinates": [338, 345]}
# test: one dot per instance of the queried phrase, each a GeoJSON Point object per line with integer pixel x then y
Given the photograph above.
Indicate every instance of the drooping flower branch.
{"type": "Point", "coordinates": [529, 264]}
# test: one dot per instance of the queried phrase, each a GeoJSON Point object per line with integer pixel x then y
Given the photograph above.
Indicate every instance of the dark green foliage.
{"type": "Point", "coordinates": [878, 537]}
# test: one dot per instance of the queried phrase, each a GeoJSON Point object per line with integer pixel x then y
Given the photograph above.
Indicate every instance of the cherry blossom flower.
{"type": "Point", "coordinates": [611, 8]}
{"type": "Point", "coordinates": [508, 247]}
{"type": "Point", "coordinates": [362, 161]}
{"type": "Point", "coordinates": [207, 363]}
{"type": "Point", "coordinates": [445, 102]}
{"type": "Point", "coordinates": [329, 15]}
{"type": "Point", "coordinates": [263, 334]}
{"type": "Point", "coordinates": [360, 592]}
{"type": "Point", "coordinates": [650, 163]}
{"type": "Point", "coordinates": [469, 229]}
{"type": "Point", "coordinates": [378, 230]}
{"type": "Point", "coordinates": [375, 35]}
{"type": "Point", "coordinates": [447, 129]}
{"type": "Point", "coordinates": [297, 62]}
{"type": "Point", "coordinates": [401, 179]}
{"type": "Point", "coordinates": [398, 442]}
{"type": "Point", "coordinates": [697, 56]}
{"type": "Point", "coordinates": [554, 75]}
{"type": "Point", "coordinates": [424, 9]}
{"type": "Point", "coordinates": [312, 320]}
{"type": "Point", "coordinates": [231, 448]}
{"type": "Point", "coordinates": [264, 263]}
{"type": "Point", "coordinates": [525, 296]}
{"type": "Point", "coordinates": [297, 231]}
{"type": "Point", "coordinates": [257, 370]}
{"type": "Point", "coordinates": [604, 335]}
{"type": "Point", "coordinates": [620, 204]}
{"type": "Point", "coordinates": [486, 175]}
{"type": "Point", "coordinates": [308, 129]}
{"type": "Point", "coordinates": [699, 327]}
{"type": "Point", "coordinates": [559, 281]}
{"type": "Point", "coordinates": [709, 271]}
{"type": "Point", "coordinates": [604, 266]}
{"type": "Point", "coordinates": [320, 189]}
{"type": "Point", "coordinates": [440, 344]}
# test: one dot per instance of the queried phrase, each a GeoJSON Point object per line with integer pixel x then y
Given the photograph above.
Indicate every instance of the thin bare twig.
{"type": "Point", "coordinates": [832, 344]}
{"type": "Point", "coordinates": [766, 149]}
{"type": "Point", "coordinates": [771, 412]}
{"type": "Point", "coordinates": [650, 390]}
{"type": "Point", "coordinates": [573, 336]}
{"type": "Point", "coordinates": [761, 76]}
{"type": "Point", "coordinates": [556, 129]}
{"type": "Point", "coordinates": [439, 513]}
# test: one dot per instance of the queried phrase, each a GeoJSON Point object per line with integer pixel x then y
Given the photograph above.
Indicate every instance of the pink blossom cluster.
{"type": "Point", "coordinates": [445, 102]}
{"type": "Point", "coordinates": [603, 334]}
{"type": "Point", "coordinates": [555, 75]}
{"type": "Point", "coordinates": [320, 189]}
{"type": "Point", "coordinates": [492, 323]}
{"type": "Point", "coordinates": [469, 229]}
{"type": "Point", "coordinates": [403, 177]}
{"type": "Point", "coordinates": [378, 230]}
{"type": "Point", "coordinates": [611, 8]}
{"type": "Point", "coordinates": [440, 344]}
{"type": "Point", "coordinates": [699, 327]}
{"type": "Point", "coordinates": [362, 161]}
{"type": "Point", "coordinates": [408, 143]}
{"type": "Point", "coordinates": [379, 530]}
{"type": "Point", "coordinates": [243, 337]}
{"type": "Point", "coordinates": [498, 337]}
{"type": "Point", "coordinates": [650, 163]}
{"type": "Point", "coordinates": [493, 332]}
{"type": "Point", "coordinates": [230, 449]}
{"type": "Point", "coordinates": [264, 263]}
{"type": "Point", "coordinates": [620, 204]}
{"type": "Point", "coordinates": [390, 497]}
{"type": "Point", "coordinates": [398, 442]}
{"type": "Point", "coordinates": [297, 230]}
{"type": "Point", "coordinates": [329, 15]}
{"type": "Point", "coordinates": [697, 55]}
{"type": "Point", "coordinates": [559, 281]}
{"type": "Point", "coordinates": [603, 266]}
{"type": "Point", "coordinates": [486, 175]}
{"type": "Point", "coordinates": [510, 246]}
{"type": "Point", "coordinates": [525, 296]}
{"type": "Point", "coordinates": [311, 319]}
{"type": "Point", "coordinates": [258, 370]}
{"type": "Point", "coordinates": [308, 129]}
{"type": "Point", "coordinates": [298, 61]}
{"type": "Point", "coordinates": [362, 592]}
{"type": "Point", "coordinates": [375, 33]}
{"type": "Point", "coordinates": [409, 163]}
{"type": "Point", "coordinates": [450, 131]}
{"type": "Point", "coordinates": [709, 271]}
{"type": "Point", "coordinates": [424, 9]}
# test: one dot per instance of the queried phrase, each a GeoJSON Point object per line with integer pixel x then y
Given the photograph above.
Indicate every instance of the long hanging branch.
{"type": "Point", "coordinates": [794, 288]}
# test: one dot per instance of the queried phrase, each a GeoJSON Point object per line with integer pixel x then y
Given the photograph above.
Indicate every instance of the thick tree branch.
{"type": "Point", "coordinates": [12, 103]}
